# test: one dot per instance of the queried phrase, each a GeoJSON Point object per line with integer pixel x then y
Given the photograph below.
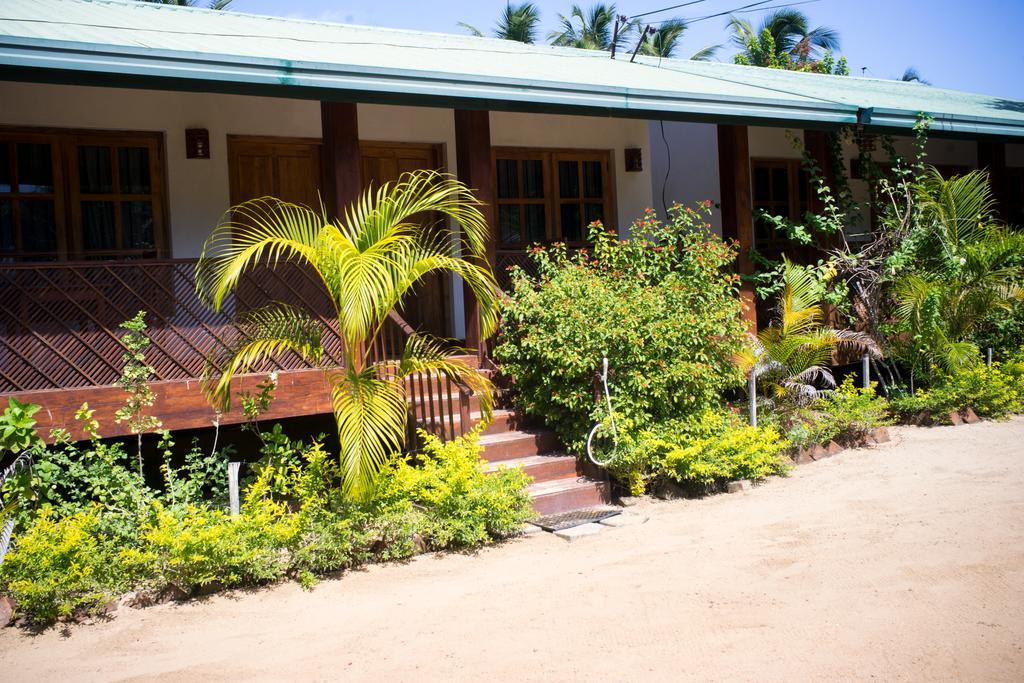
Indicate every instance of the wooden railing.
{"type": "Point", "coordinates": [59, 328]}
{"type": "Point", "coordinates": [59, 322]}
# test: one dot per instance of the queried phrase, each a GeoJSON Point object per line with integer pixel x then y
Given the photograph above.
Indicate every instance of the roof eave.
{"type": "Point", "coordinates": [92, 64]}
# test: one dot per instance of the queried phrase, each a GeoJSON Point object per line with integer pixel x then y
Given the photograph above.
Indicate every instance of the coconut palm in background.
{"type": "Point", "coordinates": [790, 357]}
{"type": "Point", "coordinates": [790, 34]}
{"type": "Point", "coordinates": [592, 29]}
{"type": "Point", "coordinates": [911, 75]}
{"type": "Point", "coordinates": [368, 261]}
{"type": "Point", "coordinates": [517, 22]}
{"type": "Point", "coordinates": [212, 4]}
{"type": "Point", "coordinates": [665, 42]}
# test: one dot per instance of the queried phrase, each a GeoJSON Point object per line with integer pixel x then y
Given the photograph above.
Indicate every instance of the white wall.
{"type": "Point", "coordinates": [633, 190]}
{"type": "Point", "coordinates": [197, 188]}
{"type": "Point", "coordinates": [775, 143]}
{"type": "Point", "coordinates": [198, 191]}
{"type": "Point", "coordinates": [684, 166]}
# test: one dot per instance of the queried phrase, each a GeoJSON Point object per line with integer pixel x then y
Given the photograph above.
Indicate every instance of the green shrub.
{"type": "Point", "coordinates": [18, 427]}
{"type": "Point", "coordinates": [663, 307]}
{"type": "Point", "coordinates": [706, 450]}
{"type": "Point", "coordinates": [92, 529]}
{"type": "Point", "coordinates": [846, 414]}
{"type": "Point", "coordinates": [461, 504]}
{"type": "Point", "coordinates": [63, 566]}
{"type": "Point", "coordinates": [72, 478]}
{"type": "Point", "coordinates": [989, 391]}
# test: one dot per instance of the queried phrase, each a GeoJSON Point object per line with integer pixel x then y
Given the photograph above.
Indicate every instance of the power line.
{"type": "Point", "coordinates": [666, 9]}
{"type": "Point", "coordinates": [745, 9]}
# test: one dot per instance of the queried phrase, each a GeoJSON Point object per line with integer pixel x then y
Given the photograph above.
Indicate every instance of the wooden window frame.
{"type": "Point", "coordinates": [64, 143]}
{"type": "Point", "coordinates": [549, 158]}
{"type": "Point", "coordinates": [794, 210]}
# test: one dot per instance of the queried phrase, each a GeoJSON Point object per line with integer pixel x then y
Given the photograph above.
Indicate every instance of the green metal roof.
{"type": "Point", "coordinates": [110, 42]}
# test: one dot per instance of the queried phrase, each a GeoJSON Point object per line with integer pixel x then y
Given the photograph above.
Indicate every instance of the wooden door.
{"type": "Point", "coordinates": [290, 169]}
{"type": "Point", "coordinates": [286, 168]}
{"type": "Point", "coordinates": [428, 308]}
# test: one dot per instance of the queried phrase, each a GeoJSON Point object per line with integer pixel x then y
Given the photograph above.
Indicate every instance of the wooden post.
{"type": "Point", "coordinates": [816, 145]}
{"type": "Point", "coordinates": [992, 157]}
{"type": "Point", "coordinates": [342, 163]}
{"type": "Point", "coordinates": [473, 155]}
{"type": "Point", "coordinates": [737, 210]}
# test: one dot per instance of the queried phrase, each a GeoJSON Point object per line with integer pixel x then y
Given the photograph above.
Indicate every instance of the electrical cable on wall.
{"type": "Point", "coordinates": [668, 169]}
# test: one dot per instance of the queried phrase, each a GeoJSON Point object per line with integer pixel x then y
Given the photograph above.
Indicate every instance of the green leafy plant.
{"type": "Point", "coordinates": [662, 307]}
{"type": "Point", "coordinates": [135, 381]}
{"type": "Point", "coordinates": [967, 273]}
{"type": "Point", "coordinates": [368, 261]}
{"type": "Point", "coordinates": [18, 428]}
{"type": "Point", "coordinates": [847, 414]}
{"type": "Point", "coordinates": [790, 357]}
{"type": "Point", "coordinates": [461, 505]}
{"type": "Point", "coordinates": [704, 451]}
{"type": "Point", "coordinates": [988, 391]}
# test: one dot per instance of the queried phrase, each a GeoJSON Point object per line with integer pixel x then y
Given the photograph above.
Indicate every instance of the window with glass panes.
{"type": "Point", "coordinates": [781, 187]}
{"type": "Point", "coordinates": [550, 195]}
{"type": "Point", "coordinates": [69, 195]}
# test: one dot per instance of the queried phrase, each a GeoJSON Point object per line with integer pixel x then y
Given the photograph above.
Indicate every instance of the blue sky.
{"type": "Point", "coordinates": [973, 45]}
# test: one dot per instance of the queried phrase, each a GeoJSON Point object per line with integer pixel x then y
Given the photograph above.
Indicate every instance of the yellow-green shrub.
{"type": "Point", "coordinates": [738, 453]}
{"type": "Point", "coordinates": [988, 391]}
{"type": "Point", "coordinates": [196, 546]}
{"type": "Point", "coordinates": [707, 450]}
{"type": "Point", "coordinates": [460, 504]}
{"type": "Point", "coordinates": [62, 566]}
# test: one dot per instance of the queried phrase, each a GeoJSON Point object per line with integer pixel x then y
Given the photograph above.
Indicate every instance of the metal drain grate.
{"type": "Point", "coordinates": [567, 520]}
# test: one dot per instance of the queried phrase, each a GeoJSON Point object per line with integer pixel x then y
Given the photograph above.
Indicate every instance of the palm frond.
{"type": "Point", "coordinates": [473, 30]}
{"type": "Point", "coordinates": [428, 355]}
{"type": "Point", "coordinates": [264, 230]}
{"type": "Point", "coordinates": [266, 333]}
{"type": "Point", "coordinates": [371, 414]}
{"type": "Point", "coordinates": [706, 54]}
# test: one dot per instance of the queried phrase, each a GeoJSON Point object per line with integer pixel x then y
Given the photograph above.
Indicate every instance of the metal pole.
{"type": "Point", "coordinates": [752, 394]}
{"type": "Point", "coordinates": [233, 468]}
{"type": "Point", "coordinates": [990, 356]}
{"type": "Point", "coordinates": [5, 537]}
{"type": "Point", "coordinates": [865, 370]}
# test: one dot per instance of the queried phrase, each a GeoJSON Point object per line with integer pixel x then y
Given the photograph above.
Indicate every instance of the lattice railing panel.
{"type": "Point", "coordinates": [59, 322]}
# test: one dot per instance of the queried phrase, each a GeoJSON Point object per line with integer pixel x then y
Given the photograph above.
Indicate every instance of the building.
{"type": "Point", "coordinates": [127, 129]}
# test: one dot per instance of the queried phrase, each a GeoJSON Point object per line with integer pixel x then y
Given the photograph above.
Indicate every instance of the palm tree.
{"type": "Point", "coordinates": [213, 4]}
{"type": "Point", "coordinates": [790, 356]}
{"type": "Point", "coordinates": [911, 75]}
{"type": "Point", "coordinates": [666, 39]}
{"type": "Point", "coordinates": [368, 261]}
{"type": "Point", "coordinates": [517, 22]}
{"type": "Point", "coordinates": [790, 35]}
{"type": "Point", "coordinates": [966, 271]}
{"type": "Point", "coordinates": [590, 30]}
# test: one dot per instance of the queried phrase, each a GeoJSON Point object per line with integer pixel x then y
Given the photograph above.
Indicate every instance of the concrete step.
{"type": "Point", "coordinates": [517, 444]}
{"type": "Point", "coordinates": [541, 468]}
{"type": "Point", "coordinates": [562, 495]}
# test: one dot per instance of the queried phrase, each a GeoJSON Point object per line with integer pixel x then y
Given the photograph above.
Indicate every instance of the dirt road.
{"type": "Point", "coordinates": [902, 562]}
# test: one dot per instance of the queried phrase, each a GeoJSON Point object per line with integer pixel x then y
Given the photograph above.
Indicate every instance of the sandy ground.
{"type": "Point", "coordinates": [902, 562]}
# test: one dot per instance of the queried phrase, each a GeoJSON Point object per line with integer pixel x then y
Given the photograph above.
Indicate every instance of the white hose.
{"type": "Point", "coordinates": [611, 415]}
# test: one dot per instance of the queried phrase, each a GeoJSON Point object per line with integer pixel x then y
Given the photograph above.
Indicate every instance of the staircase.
{"type": "Point", "coordinates": [559, 483]}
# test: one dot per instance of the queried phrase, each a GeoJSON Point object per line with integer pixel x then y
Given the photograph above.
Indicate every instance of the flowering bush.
{"type": "Point", "coordinates": [663, 307]}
